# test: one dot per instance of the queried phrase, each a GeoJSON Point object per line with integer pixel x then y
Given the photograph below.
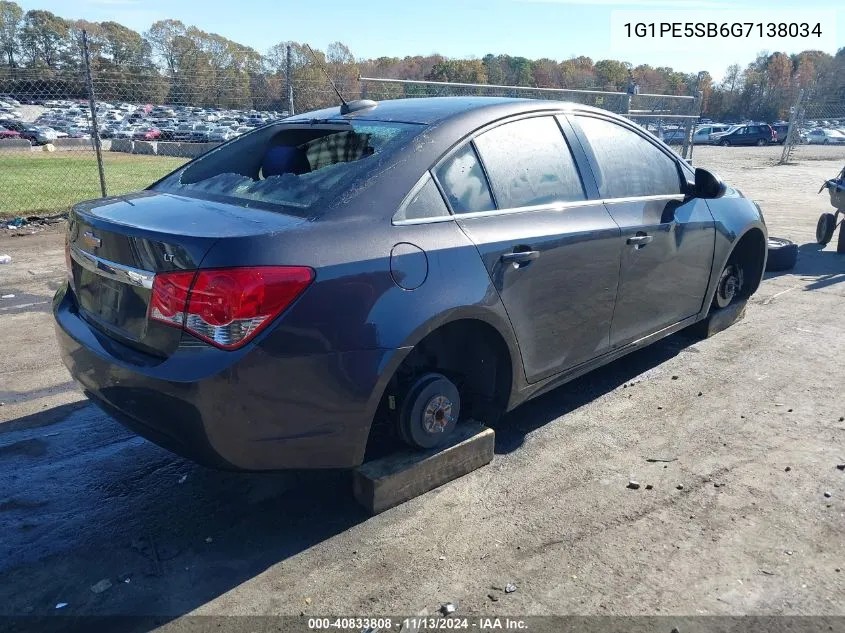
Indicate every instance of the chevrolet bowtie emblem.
{"type": "Point", "coordinates": [90, 240]}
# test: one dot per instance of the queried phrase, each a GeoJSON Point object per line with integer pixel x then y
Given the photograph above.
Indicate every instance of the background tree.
{"type": "Point", "coordinates": [11, 18]}
{"type": "Point", "coordinates": [43, 38]}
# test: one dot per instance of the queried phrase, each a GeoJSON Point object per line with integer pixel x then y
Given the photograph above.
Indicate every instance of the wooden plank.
{"type": "Point", "coordinates": [384, 483]}
{"type": "Point", "coordinates": [719, 320]}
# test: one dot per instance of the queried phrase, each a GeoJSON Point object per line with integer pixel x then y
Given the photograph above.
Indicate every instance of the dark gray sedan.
{"type": "Point", "coordinates": [403, 265]}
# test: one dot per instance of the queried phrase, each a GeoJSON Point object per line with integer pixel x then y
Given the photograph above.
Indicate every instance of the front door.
{"type": "Point", "coordinates": [552, 255]}
{"type": "Point", "coordinates": [667, 240]}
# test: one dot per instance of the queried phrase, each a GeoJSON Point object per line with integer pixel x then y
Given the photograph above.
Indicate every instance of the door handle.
{"type": "Point", "coordinates": [519, 257]}
{"type": "Point", "coordinates": [640, 240]}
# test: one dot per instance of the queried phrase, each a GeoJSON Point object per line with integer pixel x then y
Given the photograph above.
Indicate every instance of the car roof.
{"type": "Point", "coordinates": [431, 110]}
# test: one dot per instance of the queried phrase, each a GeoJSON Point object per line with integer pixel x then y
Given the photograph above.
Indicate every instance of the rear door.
{"type": "Point", "coordinates": [550, 247]}
{"type": "Point", "coordinates": [667, 241]}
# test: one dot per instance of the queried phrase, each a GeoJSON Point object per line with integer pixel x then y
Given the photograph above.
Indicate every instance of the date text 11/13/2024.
{"type": "Point", "coordinates": [419, 623]}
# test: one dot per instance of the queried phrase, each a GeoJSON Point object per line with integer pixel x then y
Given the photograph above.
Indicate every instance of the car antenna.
{"type": "Point", "coordinates": [345, 107]}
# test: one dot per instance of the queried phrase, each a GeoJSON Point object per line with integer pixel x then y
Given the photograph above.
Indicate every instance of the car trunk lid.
{"type": "Point", "coordinates": [117, 245]}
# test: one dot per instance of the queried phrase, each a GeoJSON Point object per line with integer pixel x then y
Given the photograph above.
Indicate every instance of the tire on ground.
{"type": "Point", "coordinates": [825, 228]}
{"type": "Point", "coordinates": [783, 254]}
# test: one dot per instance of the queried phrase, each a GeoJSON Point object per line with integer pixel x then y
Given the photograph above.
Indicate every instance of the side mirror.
{"type": "Point", "coordinates": [708, 185]}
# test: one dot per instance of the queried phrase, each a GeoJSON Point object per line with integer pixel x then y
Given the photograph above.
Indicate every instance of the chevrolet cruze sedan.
{"type": "Point", "coordinates": [405, 265]}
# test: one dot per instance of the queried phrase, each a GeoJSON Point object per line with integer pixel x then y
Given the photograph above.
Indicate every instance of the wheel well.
{"type": "Point", "coordinates": [750, 254]}
{"type": "Point", "coordinates": [474, 356]}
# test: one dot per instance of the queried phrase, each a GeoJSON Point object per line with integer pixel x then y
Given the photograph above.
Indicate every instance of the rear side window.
{"type": "Point", "coordinates": [464, 183]}
{"type": "Point", "coordinates": [628, 165]}
{"type": "Point", "coordinates": [529, 163]}
{"type": "Point", "coordinates": [425, 203]}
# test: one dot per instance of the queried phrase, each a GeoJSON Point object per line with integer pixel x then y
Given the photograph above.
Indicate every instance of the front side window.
{"type": "Point", "coordinates": [529, 163]}
{"type": "Point", "coordinates": [464, 183]}
{"type": "Point", "coordinates": [628, 164]}
{"type": "Point", "coordinates": [293, 165]}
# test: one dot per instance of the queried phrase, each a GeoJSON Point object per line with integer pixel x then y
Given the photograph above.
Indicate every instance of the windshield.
{"type": "Point", "coordinates": [294, 165]}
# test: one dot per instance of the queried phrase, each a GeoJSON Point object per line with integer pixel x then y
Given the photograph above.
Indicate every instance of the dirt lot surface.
{"type": "Point", "coordinates": [752, 420]}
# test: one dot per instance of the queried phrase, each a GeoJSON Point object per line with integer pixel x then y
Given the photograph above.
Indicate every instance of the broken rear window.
{"type": "Point", "coordinates": [294, 165]}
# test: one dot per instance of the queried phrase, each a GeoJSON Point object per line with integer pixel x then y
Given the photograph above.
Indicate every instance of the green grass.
{"type": "Point", "coordinates": [42, 182]}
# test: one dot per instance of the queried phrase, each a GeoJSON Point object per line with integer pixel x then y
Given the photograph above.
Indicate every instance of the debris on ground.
{"type": "Point", "coordinates": [5, 259]}
{"type": "Point", "coordinates": [789, 552]}
{"type": "Point", "coordinates": [7, 297]}
{"type": "Point", "coordinates": [766, 572]}
{"type": "Point", "coordinates": [307, 600]}
{"type": "Point", "coordinates": [125, 578]}
{"type": "Point", "coordinates": [787, 469]}
{"type": "Point", "coordinates": [827, 495]}
{"type": "Point", "coordinates": [648, 486]}
{"type": "Point", "coordinates": [493, 597]}
{"type": "Point", "coordinates": [680, 486]}
{"type": "Point", "coordinates": [61, 605]}
{"type": "Point", "coordinates": [674, 377]}
{"type": "Point", "coordinates": [183, 478]}
{"type": "Point", "coordinates": [208, 539]}
{"type": "Point", "coordinates": [448, 608]}
{"type": "Point", "coordinates": [653, 460]}
{"type": "Point", "coordinates": [633, 485]}
{"type": "Point", "coordinates": [510, 587]}
{"type": "Point", "coordinates": [840, 466]}
{"type": "Point", "coordinates": [101, 586]}
{"type": "Point", "coordinates": [33, 221]}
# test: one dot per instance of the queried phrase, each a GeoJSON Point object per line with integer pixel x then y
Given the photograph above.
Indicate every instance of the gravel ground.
{"type": "Point", "coordinates": [752, 420]}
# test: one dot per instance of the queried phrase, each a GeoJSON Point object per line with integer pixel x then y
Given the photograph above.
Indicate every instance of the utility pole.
{"type": "Point", "coordinates": [289, 90]}
{"type": "Point", "coordinates": [95, 132]}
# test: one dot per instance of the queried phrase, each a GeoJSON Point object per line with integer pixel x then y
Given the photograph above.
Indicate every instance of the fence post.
{"type": "Point", "coordinates": [95, 132]}
{"type": "Point", "coordinates": [689, 128]}
{"type": "Point", "coordinates": [288, 66]}
{"type": "Point", "coordinates": [792, 133]}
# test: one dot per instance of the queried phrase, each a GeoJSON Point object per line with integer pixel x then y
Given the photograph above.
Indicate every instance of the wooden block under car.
{"type": "Point", "coordinates": [384, 483]}
{"type": "Point", "coordinates": [719, 320]}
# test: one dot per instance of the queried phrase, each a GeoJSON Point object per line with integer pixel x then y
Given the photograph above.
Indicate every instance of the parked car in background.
{"type": "Point", "coordinates": [702, 135]}
{"type": "Point", "coordinates": [756, 134]}
{"type": "Point", "coordinates": [203, 312]}
{"type": "Point", "coordinates": [674, 137]}
{"type": "Point", "coordinates": [821, 136]}
{"type": "Point", "coordinates": [221, 134]}
{"type": "Point", "coordinates": [6, 133]}
{"type": "Point", "coordinates": [781, 130]}
{"type": "Point", "coordinates": [147, 134]}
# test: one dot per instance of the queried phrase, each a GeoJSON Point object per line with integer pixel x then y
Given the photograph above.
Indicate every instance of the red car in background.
{"type": "Point", "coordinates": [147, 134]}
{"type": "Point", "coordinates": [6, 133]}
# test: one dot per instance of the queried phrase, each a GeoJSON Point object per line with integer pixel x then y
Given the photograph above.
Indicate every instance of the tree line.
{"type": "Point", "coordinates": [177, 63]}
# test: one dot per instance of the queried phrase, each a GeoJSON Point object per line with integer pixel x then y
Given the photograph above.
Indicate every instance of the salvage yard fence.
{"type": "Point", "coordinates": [813, 122]}
{"type": "Point", "coordinates": [101, 147]}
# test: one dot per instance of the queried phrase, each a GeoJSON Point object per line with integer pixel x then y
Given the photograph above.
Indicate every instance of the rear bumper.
{"type": "Point", "coordinates": [245, 410]}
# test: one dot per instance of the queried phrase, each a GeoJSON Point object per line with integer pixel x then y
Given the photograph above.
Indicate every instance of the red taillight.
{"type": "Point", "coordinates": [226, 307]}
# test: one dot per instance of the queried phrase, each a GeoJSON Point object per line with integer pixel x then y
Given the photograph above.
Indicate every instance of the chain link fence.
{"type": "Point", "coordinates": [816, 129]}
{"type": "Point", "coordinates": [148, 124]}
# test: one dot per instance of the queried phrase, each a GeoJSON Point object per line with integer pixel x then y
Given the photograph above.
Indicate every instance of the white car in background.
{"type": "Point", "coordinates": [820, 136]}
{"type": "Point", "coordinates": [702, 134]}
